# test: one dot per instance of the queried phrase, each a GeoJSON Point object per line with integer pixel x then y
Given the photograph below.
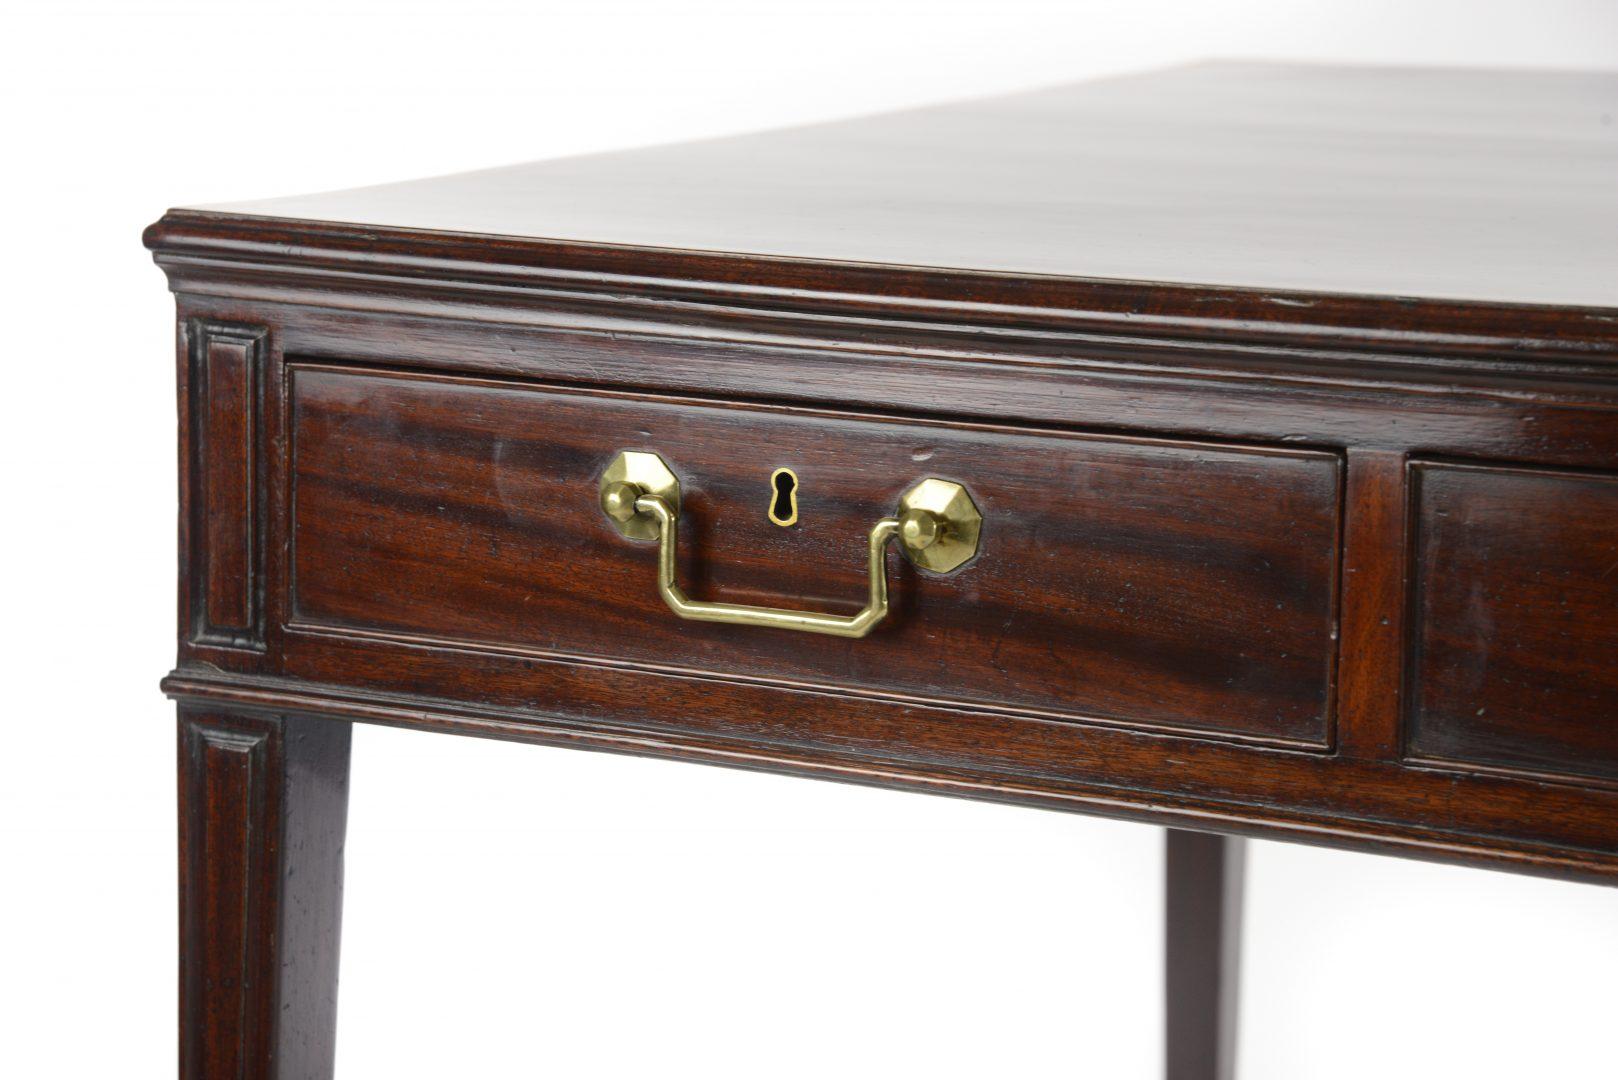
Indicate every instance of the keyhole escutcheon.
{"type": "Point", "coordinates": [784, 497]}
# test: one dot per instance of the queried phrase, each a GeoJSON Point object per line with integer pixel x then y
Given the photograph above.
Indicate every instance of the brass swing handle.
{"type": "Point", "coordinates": [937, 528]}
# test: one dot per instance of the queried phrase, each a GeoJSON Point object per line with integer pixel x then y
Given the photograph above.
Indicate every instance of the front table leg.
{"type": "Point", "coordinates": [1203, 879]}
{"type": "Point", "coordinates": [263, 811]}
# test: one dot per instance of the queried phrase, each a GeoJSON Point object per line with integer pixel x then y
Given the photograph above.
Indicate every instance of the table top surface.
{"type": "Point", "coordinates": [1450, 184]}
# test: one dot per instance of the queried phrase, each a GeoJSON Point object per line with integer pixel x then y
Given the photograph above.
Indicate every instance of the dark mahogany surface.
{"type": "Point", "coordinates": [390, 434]}
{"type": "Point", "coordinates": [1290, 396]}
{"type": "Point", "coordinates": [263, 813]}
{"type": "Point", "coordinates": [1458, 184]}
{"type": "Point", "coordinates": [1515, 609]}
{"type": "Point", "coordinates": [1158, 584]}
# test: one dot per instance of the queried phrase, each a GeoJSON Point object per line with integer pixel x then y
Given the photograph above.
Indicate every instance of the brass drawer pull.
{"type": "Point", "coordinates": [937, 528]}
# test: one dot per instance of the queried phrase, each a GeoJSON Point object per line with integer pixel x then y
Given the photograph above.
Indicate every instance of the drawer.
{"type": "Point", "coordinates": [1514, 659]}
{"type": "Point", "coordinates": [1144, 583]}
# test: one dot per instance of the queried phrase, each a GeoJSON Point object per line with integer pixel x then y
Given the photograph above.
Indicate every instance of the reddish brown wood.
{"type": "Point", "coordinates": [1155, 584]}
{"type": "Point", "coordinates": [1214, 593]}
{"type": "Point", "coordinates": [1395, 182]}
{"type": "Point", "coordinates": [1204, 880]}
{"type": "Point", "coordinates": [227, 577]}
{"type": "Point", "coordinates": [1373, 605]}
{"type": "Point", "coordinates": [1378, 394]}
{"type": "Point", "coordinates": [263, 809]}
{"type": "Point", "coordinates": [1515, 620]}
{"type": "Point", "coordinates": [227, 485]}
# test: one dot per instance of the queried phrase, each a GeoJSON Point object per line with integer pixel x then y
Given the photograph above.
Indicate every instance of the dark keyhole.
{"type": "Point", "coordinates": [784, 502]}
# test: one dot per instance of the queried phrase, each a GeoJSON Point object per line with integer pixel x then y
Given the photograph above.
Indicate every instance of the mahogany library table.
{"type": "Point", "coordinates": [1233, 448]}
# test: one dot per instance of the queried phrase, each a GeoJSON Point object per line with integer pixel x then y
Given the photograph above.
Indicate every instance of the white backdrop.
{"type": "Point", "coordinates": [517, 911]}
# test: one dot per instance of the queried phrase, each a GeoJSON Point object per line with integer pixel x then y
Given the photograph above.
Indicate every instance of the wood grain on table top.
{"type": "Point", "coordinates": [1495, 186]}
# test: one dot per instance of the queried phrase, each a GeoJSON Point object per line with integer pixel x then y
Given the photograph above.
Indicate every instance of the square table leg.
{"type": "Point", "coordinates": [263, 812]}
{"type": "Point", "coordinates": [1203, 905]}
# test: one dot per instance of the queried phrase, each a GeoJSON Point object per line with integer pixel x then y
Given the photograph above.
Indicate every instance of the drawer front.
{"type": "Point", "coordinates": [1515, 628]}
{"type": "Point", "coordinates": [1152, 584]}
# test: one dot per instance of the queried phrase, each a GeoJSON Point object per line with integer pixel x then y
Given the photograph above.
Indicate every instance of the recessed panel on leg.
{"type": "Point", "coordinates": [263, 811]}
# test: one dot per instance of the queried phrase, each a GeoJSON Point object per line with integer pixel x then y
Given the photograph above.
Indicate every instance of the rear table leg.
{"type": "Point", "coordinates": [1204, 915]}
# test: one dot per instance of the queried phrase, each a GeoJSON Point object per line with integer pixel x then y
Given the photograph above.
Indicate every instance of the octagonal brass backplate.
{"type": "Point", "coordinates": [644, 474]}
{"type": "Point", "coordinates": [955, 540]}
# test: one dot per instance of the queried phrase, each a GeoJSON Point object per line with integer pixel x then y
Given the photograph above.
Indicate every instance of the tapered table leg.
{"type": "Point", "coordinates": [263, 810]}
{"type": "Point", "coordinates": [1204, 909]}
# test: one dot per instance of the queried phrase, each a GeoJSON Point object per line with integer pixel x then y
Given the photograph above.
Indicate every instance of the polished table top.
{"type": "Point", "coordinates": [1440, 183]}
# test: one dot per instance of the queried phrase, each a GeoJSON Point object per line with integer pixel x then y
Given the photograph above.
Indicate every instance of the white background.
{"type": "Point", "coordinates": [516, 911]}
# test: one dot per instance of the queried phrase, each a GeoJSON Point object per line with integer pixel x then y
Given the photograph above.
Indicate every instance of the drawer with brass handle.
{"type": "Point", "coordinates": [1151, 584]}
